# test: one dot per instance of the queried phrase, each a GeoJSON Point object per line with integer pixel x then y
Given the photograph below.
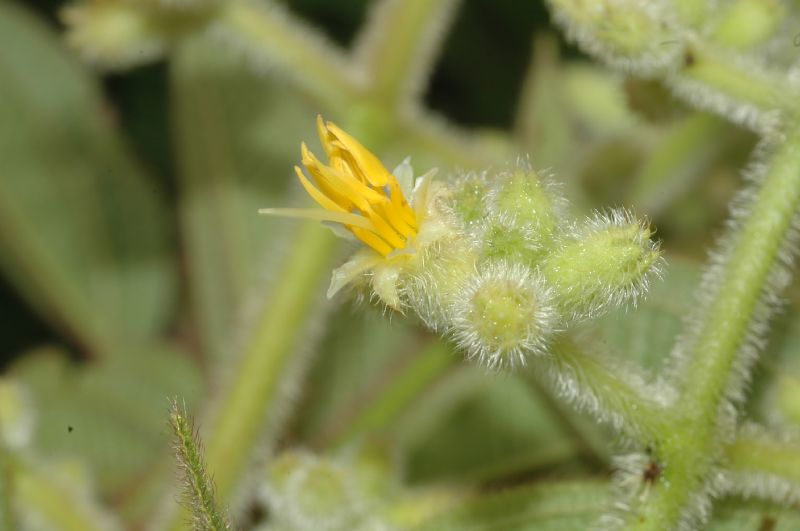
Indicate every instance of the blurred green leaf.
{"type": "Point", "coordinates": [360, 352]}
{"type": "Point", "coordinates": [112, 414]}
{"type": "Point", "coordinates": [646, 334]}
{"type": "Point", "coordinates": [82, 231]}
{"type": "Point", "coordinates": [500, 426]}
{"type": "Point", "coordinates": [238, 136]}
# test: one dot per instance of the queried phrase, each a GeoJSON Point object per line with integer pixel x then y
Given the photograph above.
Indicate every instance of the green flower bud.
{"type": "Point", "coordinates": [468, 198]}
{"type": "Point", "coordinates": [308, 493]}
{"type": "Point", "coordinates": [529, 201]}
{"type": "Point", "coordinates": [605, 264]}
{"type": "Point", "coordinates": [118, 34]}
{"type": "Point", "coordinates": [503, 315]}
{"type": "Point", "coordinates": [631, 34]}
{"type": "Point", "coordinates": [501, 237]}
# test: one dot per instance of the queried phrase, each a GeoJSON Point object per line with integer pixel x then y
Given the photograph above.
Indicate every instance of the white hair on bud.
{"type": "Point", "coordinates": [531, 318]}
{"type": "Point", "coordinates": [631, 288]}
{"type": "Point", "coordinates": [283, 499]}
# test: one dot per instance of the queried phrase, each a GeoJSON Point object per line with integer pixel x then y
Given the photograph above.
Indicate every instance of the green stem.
{"type": "Point", "coordinates": [715, 358]}
{"type": "Point", "coordinates": [761, 456]}
{"type": "Point", "coordinates": [252, 393]}
{"type": "Point", "coordinates": [737, 85]}
{"type": "Point", "coordinates": [252, 397]}
{"type": "Point", "coordinates": [423, 370]}
{"type": "Point", "coordinates": [400, 44]}
{"type": "Point", "coordinates": [596, 385]}
{"type": "Point", "coordinates": [197, 483]}
{"type": "Point", "coordinates": [281, 40]}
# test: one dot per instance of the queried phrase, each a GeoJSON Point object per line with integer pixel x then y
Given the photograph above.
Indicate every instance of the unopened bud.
{"type": "Point", "coordinates": [605, 264]}
{"type": "Point", "coordinates": [531, 201]}
{"type": "Point", "coordinates": [631, 34]}
{"type": "Point", "coordinates": [503, 316]}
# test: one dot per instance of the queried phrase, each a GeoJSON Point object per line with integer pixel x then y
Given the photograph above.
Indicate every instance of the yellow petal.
{"type": "Point", "coordinates": [370, 166]}
{"type": "Point", "coordinates": [315, 194]}
{"type": "Point", "coordinates": [373, 240]}
{"type": "Point", "coordinates": [343, 218]}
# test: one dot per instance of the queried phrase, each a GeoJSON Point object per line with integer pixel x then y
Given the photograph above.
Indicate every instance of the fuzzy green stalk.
{"type": "Point", "coordinates": [198, 486]}
{"type": "Point", "coordinates": [400, 44]}
{"type": "Point", "coordinates": [765, 456]}
{"type": "Point", "coordinates": [270, 32]}
{"type": "Point", "coordinates": [593, 384]}
{"type": "Point", "coordinates": [252, 398]}
{"type": "Point", "coordinates": [689, 445]}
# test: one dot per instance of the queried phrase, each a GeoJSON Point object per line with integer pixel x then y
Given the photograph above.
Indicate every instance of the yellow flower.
{"type": "Point", "coordinates": [360, 195]}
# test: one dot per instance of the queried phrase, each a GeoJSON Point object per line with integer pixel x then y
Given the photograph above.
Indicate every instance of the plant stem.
{"type": "Point", "coordinates": [270, 33]}
{"type": "Point", "coordinates": [765, 456]}
{"type": "Point", "coordinates": [400, 44]}
{"type": "Point", "coordinates": [715, 356]}
{"type": "Point", "coordinates": [197, 483]}
{"type": "Point", "coordinates": [595, 385]}
{"type": "Point", "coordinates": [741, 92]}
{"type": "Point", "coordinates": [251, 398]}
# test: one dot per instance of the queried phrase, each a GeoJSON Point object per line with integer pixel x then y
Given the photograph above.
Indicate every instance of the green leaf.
{"type": "Point", "coordinates": [646, 334]}
{"type": "Point", "coordinates": [82, 232]}
{"type": "Point", "coordinates": [110, 415]}
{"type": "Point", "coordinates": [238, 137]}
{"type": "Point", "coordinates": [499, 426]}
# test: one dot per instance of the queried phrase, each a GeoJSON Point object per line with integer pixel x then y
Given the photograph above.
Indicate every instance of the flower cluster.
{"type": "Point", "coordinates": [491, 260]}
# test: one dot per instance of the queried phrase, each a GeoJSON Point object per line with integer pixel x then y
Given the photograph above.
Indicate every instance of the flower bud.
{"type": "Point", "coordinates": [502, 237]}
{"type": "Point", "coordinates": [631, 34]}
{"type": "Point", "coordinates": [468, 198]}
{"type": "Point", "coordinates": [308, 493]}
{"type": "Point", "coordinates": [605, 264]}
{"type": "Point", "coordinates": [119, 34]}
{"type": "Point", "coordinates": [503, 315]}
{"type": "Point", "coordinates": [529, 200]}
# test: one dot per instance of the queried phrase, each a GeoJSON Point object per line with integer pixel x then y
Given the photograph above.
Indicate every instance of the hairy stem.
{"type": "Point", "coordinates": [269, 33]}
{"type": "Point", "coordinates": [400, 44]}
{"type": "Point", "coordinates": [756, 460]}
{"type": "Point", "coordinates": [198, 485]}
{"type": "Point", "coordinates": [714, 356]}
{"type": "Point", "coordinates": [251, 398]}
{"type": "Point", "coordinates": [614, 394]}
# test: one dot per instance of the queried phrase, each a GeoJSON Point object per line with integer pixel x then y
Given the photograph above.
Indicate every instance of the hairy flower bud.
{"type": "Point", "coordinates": [603, 265]}
{"type": "Point", "coordinates": [306, 492]}
{"type": "Point", "coordinates": [632, 34]}
{"type": "Point", "coordinates": [503, 315]}
{"type": "Point", "coordinates": [530, 201]}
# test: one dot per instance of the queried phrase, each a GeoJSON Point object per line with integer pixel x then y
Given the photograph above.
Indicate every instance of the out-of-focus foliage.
{"type": "Point", "coordinates": [135, 269]}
